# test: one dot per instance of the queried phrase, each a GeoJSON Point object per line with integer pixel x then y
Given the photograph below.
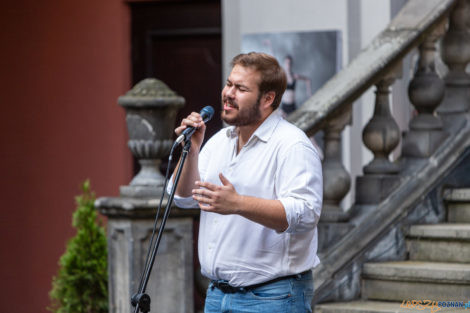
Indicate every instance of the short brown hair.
{"type": "Point", "coordinates": [273, 77]}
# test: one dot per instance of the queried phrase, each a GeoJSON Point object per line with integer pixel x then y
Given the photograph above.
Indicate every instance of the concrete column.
{"type": "Point", "coordinates": [150, 115]}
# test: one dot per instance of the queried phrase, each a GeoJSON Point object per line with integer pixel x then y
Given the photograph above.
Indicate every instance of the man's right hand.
{"type": "Point", "coordinates": [193, 120]}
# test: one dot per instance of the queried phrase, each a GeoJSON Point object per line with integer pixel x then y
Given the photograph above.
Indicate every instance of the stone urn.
{"type": "Point", "coordinates": [151, 109]}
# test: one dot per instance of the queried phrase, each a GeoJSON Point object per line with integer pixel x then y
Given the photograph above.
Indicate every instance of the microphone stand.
{"type": "Point", "coordinates": [141, 300]}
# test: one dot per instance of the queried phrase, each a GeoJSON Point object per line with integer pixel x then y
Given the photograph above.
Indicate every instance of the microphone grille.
{"type": "Point", "coordinates": [207, 113]}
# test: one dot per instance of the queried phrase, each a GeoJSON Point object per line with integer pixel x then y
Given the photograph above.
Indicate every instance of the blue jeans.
{"type": "Point", "coordinates": [291, 295]}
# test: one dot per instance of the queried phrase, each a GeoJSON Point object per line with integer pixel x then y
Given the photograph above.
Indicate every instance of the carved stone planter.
{"type": "Point", "coordinates": [151, 109]}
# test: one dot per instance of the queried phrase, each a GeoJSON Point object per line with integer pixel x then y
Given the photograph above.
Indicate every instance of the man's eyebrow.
{"type": "Point", "coordinates": [238, 85]}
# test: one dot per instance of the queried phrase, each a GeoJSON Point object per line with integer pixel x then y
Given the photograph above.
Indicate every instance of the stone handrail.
{"type": "Point", "coordinates": [430, 149]}
{"type": "Point", "coordinates": [404, 33]}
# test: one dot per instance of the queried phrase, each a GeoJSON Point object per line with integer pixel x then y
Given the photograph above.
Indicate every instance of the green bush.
{"type": "Point", "coordinates": [81, 284]}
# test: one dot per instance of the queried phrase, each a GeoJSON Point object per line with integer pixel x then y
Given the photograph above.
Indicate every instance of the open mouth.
{"type": "Point", "coordinates": [229, 104]}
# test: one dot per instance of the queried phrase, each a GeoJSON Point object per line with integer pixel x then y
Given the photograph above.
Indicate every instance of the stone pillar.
{"type": "Point", "coordinates": [336, 180]}
{"type": "Point", "coordinates": [426, 91]}
{"type": "Point", "coordinates": [455, 52]}
{"type": "Point", "coordinates": [333, 223]}
{"type": "Point", "coordinates": [150, 114]}
{"type": "Point", "coordinates": [381, 135]}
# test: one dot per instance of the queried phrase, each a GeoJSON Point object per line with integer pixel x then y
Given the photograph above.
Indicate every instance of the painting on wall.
{"type": "Point", "coordinates": [309, 59]}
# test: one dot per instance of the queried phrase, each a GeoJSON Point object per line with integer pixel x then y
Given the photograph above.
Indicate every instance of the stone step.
{"type": "Point", "coordinates": [384, 307]}
{"type": "Point", "coordinates": [458, 205]}
{"type": "Point", "coordinates": [416, 280]}
{"type": "Point", "coordinates": [439, 243]}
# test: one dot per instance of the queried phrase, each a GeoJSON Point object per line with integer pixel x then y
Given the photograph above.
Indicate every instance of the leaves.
{"type": "Point", "coordinates": [81, 284]}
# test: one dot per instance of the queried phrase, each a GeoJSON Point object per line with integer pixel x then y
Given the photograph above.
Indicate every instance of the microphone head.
{"type": "Point", "coordinates": [207, 113]}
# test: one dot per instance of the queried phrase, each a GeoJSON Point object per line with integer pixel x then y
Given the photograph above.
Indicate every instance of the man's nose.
{"type": "Point", "coordinates": [230, 91]}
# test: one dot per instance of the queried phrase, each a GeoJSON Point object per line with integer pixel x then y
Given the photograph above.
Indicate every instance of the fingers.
{"type": "Point", "coordinates": [179, 129]}
{"type": "Point", "coordinates": [202, 194]}
{"type": "Point", "coordinates": [207, 185]}
{"type": "Point", "coordinates": [192, 120]}
{"type": "Point", "coordinates": [224, 180]}
{"type": "Point", "coordinates": [206, 207]}
{"type": "Point", "coordinates": [204, 198]}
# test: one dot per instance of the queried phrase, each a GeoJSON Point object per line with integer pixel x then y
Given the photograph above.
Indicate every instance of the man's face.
{"type": "Point", "coordinates": [241, 98]}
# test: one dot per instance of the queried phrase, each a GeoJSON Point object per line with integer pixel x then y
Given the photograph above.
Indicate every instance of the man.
{"type": "Point", "coordinates": [258, 184]}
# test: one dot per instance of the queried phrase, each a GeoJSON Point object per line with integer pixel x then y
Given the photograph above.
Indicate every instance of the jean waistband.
{"type": "Point", "coordinates": [225, 287]}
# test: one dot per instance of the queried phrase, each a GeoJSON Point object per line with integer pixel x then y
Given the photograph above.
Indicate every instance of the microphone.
{"type": "Point", "coordinates": [206, 114]}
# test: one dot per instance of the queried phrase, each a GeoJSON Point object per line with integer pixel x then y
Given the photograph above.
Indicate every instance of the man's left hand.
{"type": "Point", "coordinates": [218, 199]}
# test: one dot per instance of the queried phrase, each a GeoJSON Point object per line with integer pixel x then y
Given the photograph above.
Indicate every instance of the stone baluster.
{"type": "Point", "coordinates": [455, 52]}
{"type": "Point", "coordinates": [426, 91]}
{"type": "Point", "coordinates": [150, 114]}
{"type": "Point", "coordinates": [381, 135]}
{"type": "Point", "coordinates": [336, 183]}
{"type": "Point", "coordinates": [336, 180]}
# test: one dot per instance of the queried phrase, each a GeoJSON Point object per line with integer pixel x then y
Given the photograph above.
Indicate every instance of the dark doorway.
{"type": "Point", "coordinates": [179, 43]}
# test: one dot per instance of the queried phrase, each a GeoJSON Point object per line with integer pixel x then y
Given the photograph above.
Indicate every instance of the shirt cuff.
{"type": "Point", "coordinates": [181, 202]}
{"type": "Point", "coordinates": [300, 215]}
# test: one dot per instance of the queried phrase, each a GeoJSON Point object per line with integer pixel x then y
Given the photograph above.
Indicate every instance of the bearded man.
{"type": "Point", "coordinates": [258, 184]}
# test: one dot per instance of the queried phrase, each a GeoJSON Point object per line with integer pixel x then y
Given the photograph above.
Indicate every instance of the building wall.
{"type": "Point", "coordinates": [63, 65]}
{"type": "Point", "coordinates": [359, 21]}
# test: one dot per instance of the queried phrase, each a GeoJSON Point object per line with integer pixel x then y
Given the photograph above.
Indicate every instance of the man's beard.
{"type": "Point", "coordinates": [246, 116]}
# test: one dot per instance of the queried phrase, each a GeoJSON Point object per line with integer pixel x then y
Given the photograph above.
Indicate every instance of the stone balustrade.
{"type": "Point", "coordinates": [435, 138]}
{"type": "Point", "coordinates": [440, 107]}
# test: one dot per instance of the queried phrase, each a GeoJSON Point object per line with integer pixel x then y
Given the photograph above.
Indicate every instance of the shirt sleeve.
{"type": "Point", "coordinates": [189, 202]}
{"type": "Point", "coordinates": [299, 185]}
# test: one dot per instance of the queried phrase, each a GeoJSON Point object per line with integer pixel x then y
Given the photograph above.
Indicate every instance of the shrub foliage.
{"type": "Point", "coordinates": [81, 284]}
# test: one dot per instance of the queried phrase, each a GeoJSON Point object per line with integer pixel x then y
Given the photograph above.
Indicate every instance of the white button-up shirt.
{"type": "Point", "coordinates": [278, 162]}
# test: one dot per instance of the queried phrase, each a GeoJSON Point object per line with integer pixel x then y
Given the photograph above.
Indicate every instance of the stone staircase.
{"type": "Point", "coordinates": [437, 269]}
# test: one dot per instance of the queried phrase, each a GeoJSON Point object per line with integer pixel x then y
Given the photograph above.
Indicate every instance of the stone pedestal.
{"type": "Point", "coordinates": [150, 115]}
{"type": "Point", "coordinates": [170, 286]}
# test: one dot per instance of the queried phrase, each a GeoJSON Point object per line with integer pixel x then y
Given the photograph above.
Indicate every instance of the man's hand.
{"type": "Point", "coordinates": [193, 120]}
{"type": "Point", "coordinates": [190, 172]}
{"type": "Point", "coordinates": [218, 199]}
{"type": "Point", "coordinates": [225, 200]}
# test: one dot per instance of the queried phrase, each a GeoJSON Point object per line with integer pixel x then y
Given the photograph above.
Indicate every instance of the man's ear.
{"type": "Point", "coordinates": [268, 99]}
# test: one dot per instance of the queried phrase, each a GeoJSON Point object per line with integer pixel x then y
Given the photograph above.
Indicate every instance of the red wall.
{"type": "Point", "coordinates": [63, 64]}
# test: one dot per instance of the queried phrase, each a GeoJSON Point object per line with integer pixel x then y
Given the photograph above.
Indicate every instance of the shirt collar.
{"type": "Point", "coordinates": [264, 131]}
